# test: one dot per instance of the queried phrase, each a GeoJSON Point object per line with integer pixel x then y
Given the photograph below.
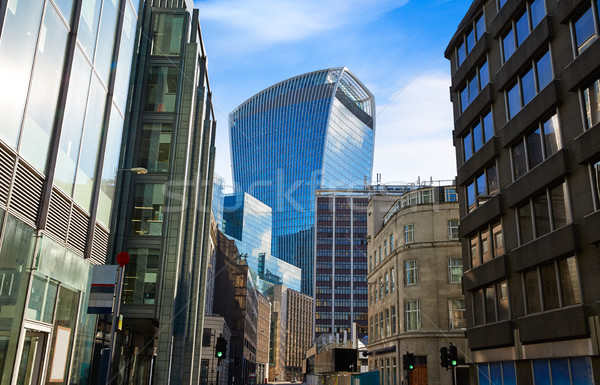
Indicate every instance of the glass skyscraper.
{"type": "Point", "coordinates": [312, 131]}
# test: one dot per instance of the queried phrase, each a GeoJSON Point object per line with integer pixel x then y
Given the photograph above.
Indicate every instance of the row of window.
{"type": "Point", "coordinates": [387, 285]}
{"type": "Point", "coordinates": [521, 27]}
{"type": "Point", "coordinates": [528, 84]}
{"type": "Point", "coordinates": [476, 82]}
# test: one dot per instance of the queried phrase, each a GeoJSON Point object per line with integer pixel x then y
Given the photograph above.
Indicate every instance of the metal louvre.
{"type": "Point", "coordinates": [27, 194]}
{"type": "Point", "coordinates": [78, 230]}
{"type": "Point", "coordinates": [99, 246]}
{"type": "Point", "coordinates": [7, 164]}
{"type": "Point", "coordinates": [58, 215]}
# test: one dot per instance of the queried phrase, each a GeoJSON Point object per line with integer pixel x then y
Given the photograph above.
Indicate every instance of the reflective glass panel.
{"type": "Point", "coordinates": [460, 54]}
{"type": "Point", "coordinates": [478, 306]}
{"type": "Point", "coordinates": [480, 26]}
{"type": "Point", "coordinates": [541, 372]}
{"type": "Point", "coordinates": [496, 373]}
{"type": "Point", "coordinates": [492, 181]}
{"type": "Point", "coordinates": [537, 12]}
{"type": "Point", "coordinates": [66, 9]}
{"type": "Point", "coordinates": [525, 224]}
{"type": "Point", "coordinates": [475, 257]}
{"type": "Point", "coordinates": [162, 89]}
{"type": "Point", "coordinates": [41, 299]}
{"type": "Point", "coordinates": [148, 210]}
{"type": "Point", "coordinates": [473, 89]}
{"type": "Point", "coordinates": [481, 185]}
{"type": "Point", "coordinates": [514, 100]}
{"type": "Point", "coordinates": [559, 209]}
{"type": "Point", "coordinates": [569, 280]}
{"type": "Point", "coordinates": [156, 146]}
{"type": "Point", "coordinates": [522, 26]}
{"type": "Point", "coordinates": [544, 70]}
{"type": "Point", "coordinates": [509, 373]}
{"type": "Point", "coordinates": [471, 197]}
{"type": "Point", "coordinates": [88, 26]}
{"type": "Point", "coordinates": [106, 39]}
{"type": "Point", "coordinates": [534, 148]}
{"type": "Point", "coordinates": [490, 304]}
{"type": "Point", "coordinates": [488, 127]}
{"type": "Point", "coordinates": [86, 169]}
{"type": "Point", "coordinates": [592, 103]}
{"type": "Point", "coordinates": [502, 292]}
{"type": "Point", "coordinates": [110, 167]}
{"type": "Point", "coordinates": [17, 49]}
{"type": "Point", "coordinates": [528, 85]}
{"type": "Point", "coordinates": [508, 44]}
{"type": "Point", "coordinates": [559, 368]}
{"type": "Point", "coordinates": [72, 128]}
{"type": "Point", "coordinates": [549, 287]}
{"type": "Point", "coordinates": [486, 253]}
{"type": "Point", "coordinates": [483, 374]}
{"type": "Point", "coordinates": [125, 58]}
{"type": "Point", "coordinates": [139, 286]}
{"type": "Point", "coordinates": [542, 216]}
{"type": "Point", "coordinates": [464, 98]}
{"type": "Point", "coordinates": [584, 30]}
{"type": "Point", "coordinates": [484, 76]}
{"type": "Point", "coordinates": [519, 160]}
{"type": "Point", "coordinates": [47, 75]}
{"type": "Point", "coordinates": [168, 30]}
{"type": "Point", "coordinates": [551, 136]}
{"type": "Point", "coordinates": [468, 146]}
{"type": "Point", "coordinates": [470, 40]}
{"type": "Point", "coordinates": [532, 290]}
{"type": "Point", "coordinates": [581, 371]}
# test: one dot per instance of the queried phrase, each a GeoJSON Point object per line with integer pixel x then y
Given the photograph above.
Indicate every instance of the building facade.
{"type": "Point", "coordinates": [263, 340]}
{"type": "Point", "coordinates": [66, 74]}
{"type": "Point", "coordinates": [297, 312]}
{"type": "Point", "coordinates": [340, 277]}
{"type": "Point", "coordinates": [525, 95]}
{"type": "Point", "coordinates": [416, 303]}
{"type": "Point", "coordinates": [311, 131]}
{"type": "Point", "coordinates": [165, 214]}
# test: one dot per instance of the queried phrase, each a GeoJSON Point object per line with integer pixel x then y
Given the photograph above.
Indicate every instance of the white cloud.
{"type": "Point", "coordinates": [414, 132]}
{"type": "Point", "coordinates": [252, 25]}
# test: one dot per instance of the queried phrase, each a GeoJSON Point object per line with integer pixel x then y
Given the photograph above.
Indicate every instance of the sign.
{"type": "Point", "coordinates": [102, 290]}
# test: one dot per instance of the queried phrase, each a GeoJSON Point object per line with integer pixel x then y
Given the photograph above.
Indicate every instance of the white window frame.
{"type": "Point", "coordinates": [453, 227]}
{"type": "Point", "coordinates": [411, 266]}
{"type": "Point", "coordinates": [410, 313]}
{"type": "Point", "coordinates": [409, 233]}
{"type": "Point", "coordinates": [451, 266]}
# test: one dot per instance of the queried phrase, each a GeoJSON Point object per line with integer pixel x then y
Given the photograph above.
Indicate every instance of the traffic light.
{"type": "Point", "coordinates": [409, 361]}
{"type": "Point", "coordinates": [221, 347]}
{"type": "Point", "coordinates": [444, 358]}
{"type": "Point", "coordinates": [453, 355]}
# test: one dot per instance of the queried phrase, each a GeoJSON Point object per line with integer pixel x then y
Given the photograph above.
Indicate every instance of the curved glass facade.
{"type": "Point", "coordinates": [312, 131]}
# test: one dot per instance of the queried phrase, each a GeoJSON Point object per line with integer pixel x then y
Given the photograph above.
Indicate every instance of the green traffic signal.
{"type": "Point", "coordinates": [411, 367]}
{"type": "Point", "coordinates": [219, 354]}
{"type": "Point", "coordinates": [453, 362]}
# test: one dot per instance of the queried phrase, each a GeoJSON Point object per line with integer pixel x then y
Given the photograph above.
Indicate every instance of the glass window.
{"type": "Point", "coordinates": [484, 76]}
{"type": "Point", "coordinates": [470, 40]}
{"type": "Point", "coordinates": [110, 167]}
{"type": "Point", "coordinates": [88, 26]}
{"type": "Point", "coordinates": [41, 299]}
{"type": "Point", "coordinates": [488, 126]}
{"type": "Point", "coordinates": [413, 315]}
{"type": "Point", "coordinates": [464, 98]}
{"type": "Point", "coordinates": [478, 307]}
{"type": "Point", "coordinates": [125, 59]}
{"type": "Point", "coordinates": [471, 197]}
{"type": "Point", "coordinates": [477, 137]}
{"type": "Point", "coordinates": [528, 85]}
{"type": "Point", "coordinates": [544, 70]}
{"type": "Point", "coordinates": [534, 148]}
{"type": "Point", "coordinates": [483, 370]}
{"type": "Point", "coordinates": [541, 215]}
{"type": "Point", "coordinates": [569, 280]}
{"type": "Point", "coordinates": [168, 30]}
{"type": "Point", "coordinates": [584, 30]}
{"type": "Point", "coordinates": [66, 9]}
{"type": "Point", "coordinates": [496, 373]}
{"type": "Point", "coordinates": [393, 278]}
{"type": "Point", "coordinates": [508, 44]}
{"type": "Point", "coordinates": [502, 293]}
{"type": "Point", "coordinates": [393, 321]}
{"type": "Point", "coordinates": [525, 224]}
{"type": "Point", "coordinates": [455, 270]}
{"type": "Point", "coordinates": [468, 146]}
{"type": "Point", "coordinates": [412, 277]}
{"type": "Point", "coordinates": [537, 12]}
{"type": "Point", "coordinates": [498, 239]}
{"type": "Point", "coordinates": [460, 54]}
{"type": "Point", "coordinates": [541, 371]}
{"type": "Point", "coordinates": [475, 257]}
{"type": "Point", "coordinates": [549, 287]}
{"type": "Point", "coordinates": [481, 185]}
{"type": "Point", "coordinates": [106, 39]}
{"type": "Point", "coordinates": [45, 86]}
{"type": "Point", "coordinates": [559, 209]}
{"type": "Point", "coordinates": [148, 210]}
{"type": "Point", "coordinates": [519, 160]}
{"type": "Point", "coordinates": [486, 252]}
{"type": "Point", "coordinates": [581, 371]}
{"type": "Point", "coordinates": [532, 290]}
{"type": "Point", "coordinates": [480, 26]}
{"type": "Point", "coordinates": [473, 88]}
{"type": "Point", "coordinates": [514, 101]}
{"type": "Point", "coordinates": [409, 233]}
{"type": "Point", "coordinates": [453, 229]}
{"type": "Point", "coordinates": [162, 89]}
{"type": "Point", "coordinates": [456, 308]}
{"type": "Point", "coordinates": [156, 146]}
{"type": "Point", "coordinates": [72, 126]}
{"type": "Point", "coordinates": [522, 28]}
{"type": "Point", "coordinates": [139, 286]}
{"type": "Point", "coordinates": [92, 131]}
{"type": "Point", "coordinates": [592, 103]}
{"type": "Point", "coordinates": [17, 49]}
{"type": "Point", "coordinates": [490, 304]}
{"type": "Point", "coordinates": [551, 136]}
{"type": "Point", "coordinates": [492, 180]}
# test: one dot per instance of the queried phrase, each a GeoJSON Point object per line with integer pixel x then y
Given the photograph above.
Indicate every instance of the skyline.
{"type": "Point", "coordinates": [394, 47]}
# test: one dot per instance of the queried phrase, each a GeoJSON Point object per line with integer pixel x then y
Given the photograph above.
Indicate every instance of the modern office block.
{"type": "Point", "coordinates": [311, 131]}
{"type": "Point", "coordinates": [165, 214]}
{"type": "Point", "coordinates": [65, 75]}
{"type": "Point", "coordinates": [525, 94]}
{"type": "Point", "coordinates": [416, 303]}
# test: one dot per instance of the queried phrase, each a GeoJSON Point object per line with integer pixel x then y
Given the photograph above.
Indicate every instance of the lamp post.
{"type": "Point", "coordinates": [122, 260]}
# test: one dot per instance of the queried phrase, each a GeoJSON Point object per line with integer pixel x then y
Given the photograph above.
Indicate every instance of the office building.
{"type": "Point", "coordinates": [214, 370]}
{"type": "Point", "coordinates": [164, 216]}
{"type": "Point", "coordinates": [311, 131]}
{"type": "Point", "coordinates": [65, 75]}
{"type": "Point", "coordinates": [525, 80]}
{"type": "Point", "coordinates": [416, 303]}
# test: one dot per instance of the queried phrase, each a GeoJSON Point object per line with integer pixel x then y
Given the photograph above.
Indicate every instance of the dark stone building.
{"type": "Point", "coordinates": [525, 87]}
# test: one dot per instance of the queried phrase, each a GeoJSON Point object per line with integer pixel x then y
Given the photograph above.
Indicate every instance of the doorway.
{"type": "Point", "coordinates": [32, 358]}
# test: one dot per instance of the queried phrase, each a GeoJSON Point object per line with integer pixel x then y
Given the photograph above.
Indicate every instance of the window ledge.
{"type": "Point", "coordinates": [586, 146]}
{"type": "Point", "coordinates": [491, 335]}
{"type": "Point", "coordinates": [572, 320]}
{"type": "Point", "coordinates": [558, 243]}
{"type": "Point", "coordinates": [487, 273]}
{"type": "Point", "coordinates": [584, 69]}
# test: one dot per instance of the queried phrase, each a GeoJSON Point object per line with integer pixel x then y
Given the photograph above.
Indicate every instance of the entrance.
{"type": "Point", "coordinates": [32, 358]}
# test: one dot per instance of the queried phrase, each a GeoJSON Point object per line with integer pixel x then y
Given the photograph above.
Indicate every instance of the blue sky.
{"type": "Point", "coordinates": [394, 47]}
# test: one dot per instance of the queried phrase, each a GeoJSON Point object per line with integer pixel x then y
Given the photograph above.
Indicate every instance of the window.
{"type": "Point", "coordinates": [380, 255]}
{"type": "Point", "coordinates": [451, 195]}
{"type": "Point", "coordinates": [591, 104]}
{"type": "Point", "coordinates": [166, 39]}
{"type": "Point", "coordinates": [528, 84]}
{"type": "Point", "coordinates": [381, 326]}
{"type": "Point", "coordinates": [584, 28]}
{"type": "Point", "coordinates": [521, 27]}
{"type": "Point", "coordinates": [385, 249]}
{"type": "Point", "coordinates": [393, 278]}
{"type": "Point", "coordinates": [497, 373]}
{"type": "Point", "coordinates": [162, 89]}
{"type": "Point", "coordinates": [456, 316]}
{"type": "Point", "coordinates": [490, 304]}
{"type": "Point", "coordinates": [370, 263]}
{"type": "Point", "coordinates": [393, 320]}
{"type": "Point", "coordinates": [567, 371]}
{"type": "Point", "coordinates": [552, 286]}
{"type": "Point", "coordinates": [453, 229]}
{"type": "Point", "coordinates": [455, 270]}
{"type": "Point", "coordinates": [148, 209]}
{"type": "Point", "coordinates": [387, 322]}
{"type": "Point", "coordinates": [411, 273]}
{"type": "Point", "coordinates": [412, 315]}
{"type": "Point", "coordinates": [487, 244]}
{"type": "Point", "coordinates": [467, 42]}
{"type": "Point", "coordinates": [380, 288]}
{"type": "Point", "coordinates": [595, 173]}
{"type": "Point", "coordinates": [542, 213]}
{"type": "Point", "coordinates": [391, 243]}
{"type": "Point", "coordinates": [139, 286]}
{"type": "Point", "coordinates": [482, 188]}
{"type": "Point", "coordinates": [478, 135]}
{"type": "Point", "coordinates": [409, 233]}
{"type": "Point", "coordinates": [535, 147]}
{"type": "Point", "coordinates": [475, 83]}
{"type": "Point", "coordinates": [387, 283]}
{"type": "Point", "coordinates": [156, 146]}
